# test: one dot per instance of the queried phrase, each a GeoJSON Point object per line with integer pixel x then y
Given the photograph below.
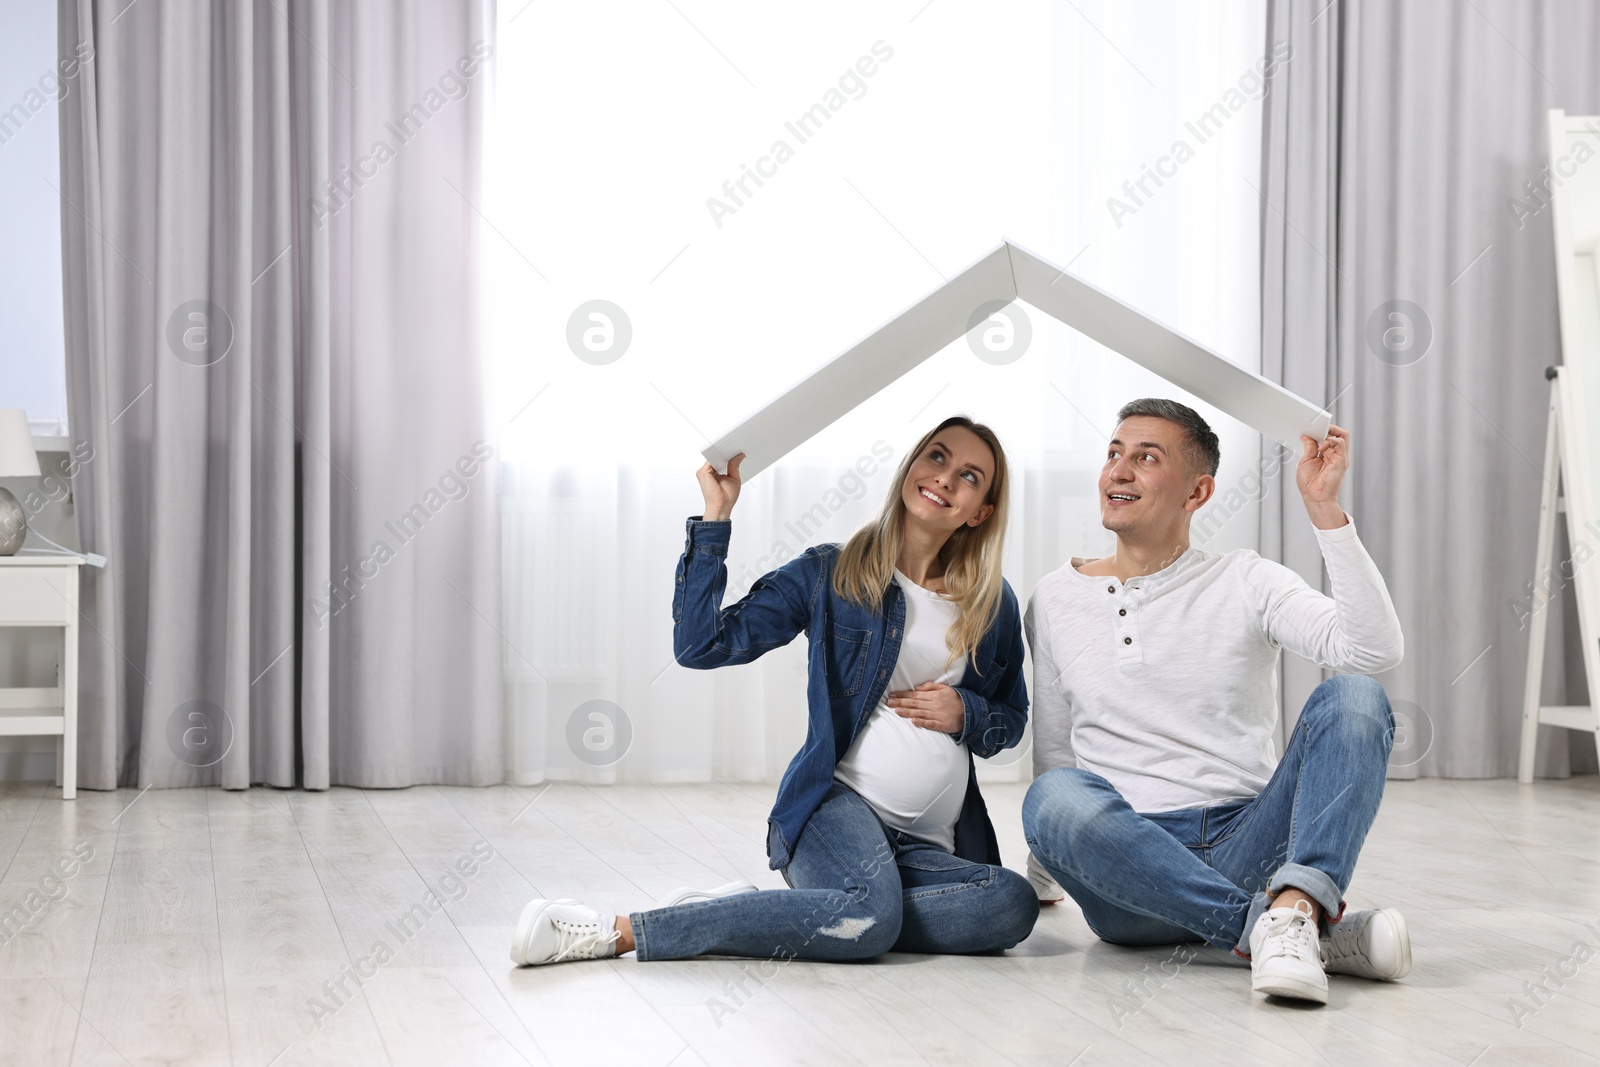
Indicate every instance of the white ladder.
{"type": "Point", "coordinates": [1551, 502]}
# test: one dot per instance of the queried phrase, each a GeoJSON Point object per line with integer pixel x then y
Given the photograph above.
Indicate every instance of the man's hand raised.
{"type": "Point", "coordinates": [1321, 470]}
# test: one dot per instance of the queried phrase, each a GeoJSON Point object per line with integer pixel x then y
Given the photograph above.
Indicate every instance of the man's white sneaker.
{"type": "Point", "coordinates": [1044, 885]}
{"type": "Point", "coordinates": [1284, 956]}
{"type": "Point", "coordinates": [550, 931]}
{"type": "Point", "coordinates": [690, 895]}
{"type": "Point", "coordinates": [1369, 944]}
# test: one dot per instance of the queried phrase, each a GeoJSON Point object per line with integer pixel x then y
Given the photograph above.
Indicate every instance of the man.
{"type": "Point", "coordinates": [1158, 801]}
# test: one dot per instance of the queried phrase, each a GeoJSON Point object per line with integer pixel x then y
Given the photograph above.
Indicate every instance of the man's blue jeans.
{"type": "Point", "coordinates": [1207, 873]}
{"type": "Point", "coordinates": [859, 890]}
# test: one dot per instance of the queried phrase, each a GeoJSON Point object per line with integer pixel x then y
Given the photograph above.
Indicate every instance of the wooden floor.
{"type": "Point", "coordinates": [268, 927]}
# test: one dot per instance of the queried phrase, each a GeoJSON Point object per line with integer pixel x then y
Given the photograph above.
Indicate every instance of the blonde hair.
{"type": "Point", "coordinates": [971, 556]}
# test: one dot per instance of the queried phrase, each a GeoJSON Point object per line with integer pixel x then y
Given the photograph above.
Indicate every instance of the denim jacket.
{"type": "Point", "coordinates": [852, 655]}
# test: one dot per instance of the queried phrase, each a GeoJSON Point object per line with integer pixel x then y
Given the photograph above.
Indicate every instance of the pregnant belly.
{"type": "Point", "coordinates": [915, 778]}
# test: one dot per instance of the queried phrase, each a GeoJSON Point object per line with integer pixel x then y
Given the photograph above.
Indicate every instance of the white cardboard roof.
{"type": "Point", "coordinates": [1009, 273]}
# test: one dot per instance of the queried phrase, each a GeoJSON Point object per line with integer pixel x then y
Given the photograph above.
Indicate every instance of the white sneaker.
{"type": "Point", "coordinates": [1369, 944]}
{"type": "Point", "coordinates": [550, 931]}
{"type": "Point", "coordinates": [1044, 885]}
{"type": "Point", "coordinates": [690, 895]}
{"type": "Point", "coordinates": [1285, 960]}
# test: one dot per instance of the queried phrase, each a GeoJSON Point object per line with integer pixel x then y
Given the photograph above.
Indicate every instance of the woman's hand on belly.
{"type": "Point", "coordinates": [931, 706]}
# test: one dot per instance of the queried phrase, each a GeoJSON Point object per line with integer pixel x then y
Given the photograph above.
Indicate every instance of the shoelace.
{"type": "Point", "coordinates": [1293, 933]}
{"type": "Point", "coordinates": [580, 941]}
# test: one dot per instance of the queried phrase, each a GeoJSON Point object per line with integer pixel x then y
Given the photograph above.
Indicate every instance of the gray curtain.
{"type": "Point", "coordinates": [272, 345]}
{"type": "Point", "coordinates": [1398, 141]}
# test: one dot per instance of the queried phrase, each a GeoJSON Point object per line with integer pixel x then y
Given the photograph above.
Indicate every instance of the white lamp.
{"type": "Point", "coordinates": [17, 460]}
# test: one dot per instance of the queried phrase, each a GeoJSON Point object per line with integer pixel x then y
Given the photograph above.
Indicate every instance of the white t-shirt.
{"type": "Point", "coordinates": [1167, 685]}
{"type": "Point", "coordinates": [914, 778]}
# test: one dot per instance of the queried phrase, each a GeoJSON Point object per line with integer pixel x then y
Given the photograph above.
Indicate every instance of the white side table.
{"type": "Point", "coordinates": [43, 591]}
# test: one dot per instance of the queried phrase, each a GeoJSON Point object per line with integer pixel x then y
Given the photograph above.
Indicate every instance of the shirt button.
{"type": "Point", "coordinates": [1122, 611]}
{"type": "Point", "coordinates": [1127, 640]}
{"type": "Point", "coordinates": [1111, 589]}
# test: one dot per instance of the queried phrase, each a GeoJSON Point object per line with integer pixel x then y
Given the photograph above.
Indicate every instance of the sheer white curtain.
{"type": "Point", "coordinates": [615, 174]}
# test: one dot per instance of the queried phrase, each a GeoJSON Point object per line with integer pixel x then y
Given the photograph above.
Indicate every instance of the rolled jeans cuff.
{"type": "Point", "coordinates": [1310, 881]}
{"type": "Point", "coordinates": [639, 922]}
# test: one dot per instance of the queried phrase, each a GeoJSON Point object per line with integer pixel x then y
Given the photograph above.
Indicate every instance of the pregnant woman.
{"type": "Point", "coordinates": [915, 666]}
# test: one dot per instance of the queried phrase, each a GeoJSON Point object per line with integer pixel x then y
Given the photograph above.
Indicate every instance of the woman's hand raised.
{"type": "Point", "coordinates": [720, 490]}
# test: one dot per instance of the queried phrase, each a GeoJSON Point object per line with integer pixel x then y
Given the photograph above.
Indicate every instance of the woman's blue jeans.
{"type": "Point", "coordinates": [1206, 873]}
{"type": "Point", "coordinates": [859, 890]}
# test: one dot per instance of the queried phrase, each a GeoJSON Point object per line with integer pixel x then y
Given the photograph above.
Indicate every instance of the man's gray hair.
{"type": "Point", "coordinates": [1200, 446]}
